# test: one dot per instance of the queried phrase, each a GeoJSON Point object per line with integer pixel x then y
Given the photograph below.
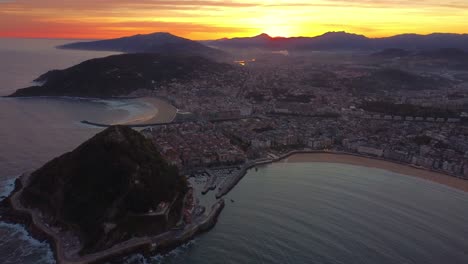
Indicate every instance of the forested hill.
{"type": "Point", "coordinates": [119, 75]}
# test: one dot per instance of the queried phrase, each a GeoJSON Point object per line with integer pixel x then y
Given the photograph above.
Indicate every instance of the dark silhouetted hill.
{"type": "Point", "coordinates": [98, 189]}
{"type": "Point", "coordinates": [389, 79]}
{"type": "Point", "coordinates": [348, 41]}
{"type": "Point", "coordinates": [121, 74]}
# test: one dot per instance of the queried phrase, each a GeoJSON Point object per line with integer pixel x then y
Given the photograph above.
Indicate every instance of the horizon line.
{"type": "Point", "coordinates": [201, 40]}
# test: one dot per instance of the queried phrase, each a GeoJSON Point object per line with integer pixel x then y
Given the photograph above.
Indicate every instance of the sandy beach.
{"type": "Point", "coordinates": [164, 112]}
{"type": "Point", "coordinates": [381, 164]}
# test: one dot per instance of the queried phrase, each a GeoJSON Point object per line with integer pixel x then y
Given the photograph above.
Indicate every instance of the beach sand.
{"type": "Point", "coordinates": [163, 112]}
{"type": "Point", "coordinates": [381, 164]}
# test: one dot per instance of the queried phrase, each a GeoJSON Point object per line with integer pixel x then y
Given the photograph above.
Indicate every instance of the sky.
{"type": "Point", "coordinates": [213, 19]}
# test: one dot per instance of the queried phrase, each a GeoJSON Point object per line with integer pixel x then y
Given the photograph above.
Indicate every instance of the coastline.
{"type": "Point", "coordinates": [400, 168]}
{"type": "Point", "coordinates": [165, 112]}
{"type": "Point", "coordinates": [305, 156]}
{"type": "Point", "coordinates": [14, 212]}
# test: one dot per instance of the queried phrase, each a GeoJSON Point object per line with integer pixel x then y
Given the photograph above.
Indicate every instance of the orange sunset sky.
{"type": "Point", "coordinates": [212, 19]}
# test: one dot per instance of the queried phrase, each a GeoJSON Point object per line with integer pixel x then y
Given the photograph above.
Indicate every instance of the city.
{"type": "Point", "coordinates": [268, 108]}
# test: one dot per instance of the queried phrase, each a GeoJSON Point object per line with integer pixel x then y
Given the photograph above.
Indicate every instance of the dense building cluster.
{"type": "Point", "coordinates": [415, 116]}
{"type": "Point", "coordinates": [194, 144]}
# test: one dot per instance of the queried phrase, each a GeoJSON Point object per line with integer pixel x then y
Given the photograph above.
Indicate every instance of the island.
{"type": "Point", "coordinates": [111, 196]}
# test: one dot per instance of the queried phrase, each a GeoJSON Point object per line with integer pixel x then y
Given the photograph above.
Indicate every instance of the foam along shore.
{"type": "Point", "coordinates": [31, 219]}
{"type": "Point", "coordinates": [163, 112]}
{"type": "Point", "coordinates": [405, 169]}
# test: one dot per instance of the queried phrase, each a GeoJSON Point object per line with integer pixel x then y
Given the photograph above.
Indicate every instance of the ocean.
{"type": "Point", "coordinates": [282, 213]}
{"type": "Point", "coordinates": [331, 214]}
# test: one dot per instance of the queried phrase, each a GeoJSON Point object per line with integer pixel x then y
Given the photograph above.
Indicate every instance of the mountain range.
{"type": "Point", "coordinates": [167, 43]}
{"type": "Point", "coordinates": [347, 41]}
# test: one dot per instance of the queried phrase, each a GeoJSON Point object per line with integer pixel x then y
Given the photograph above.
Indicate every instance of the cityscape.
{"type": "Point", "coordinates": [233, 132]}
{"type": "Point", "coordinates": [255, 111]}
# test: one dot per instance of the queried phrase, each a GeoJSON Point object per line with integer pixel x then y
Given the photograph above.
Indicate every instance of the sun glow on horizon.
{"type": "Point", "coordinates": [214, 19]}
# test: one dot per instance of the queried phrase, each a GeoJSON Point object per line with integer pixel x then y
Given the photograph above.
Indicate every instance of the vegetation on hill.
{"type": "Point", "coordinates": [108, 179]}
{"type": "Point", "coordinates": [389, 79]}
{"type": "Point", "coordinates": [121, 74]}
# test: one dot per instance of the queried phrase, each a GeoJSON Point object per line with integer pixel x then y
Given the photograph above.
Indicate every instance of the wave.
{"type": "Point", "coordinates": [6, 187]}
{"type": "Point", "coordinates": [26, 247]}
{"type": "Point", "coordinates": [158, 258]}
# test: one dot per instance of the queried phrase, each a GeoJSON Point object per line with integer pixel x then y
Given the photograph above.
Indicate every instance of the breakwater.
{"type": "Point", "coordinates": [136, 125]}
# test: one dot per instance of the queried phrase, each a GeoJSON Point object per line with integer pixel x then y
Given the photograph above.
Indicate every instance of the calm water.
{"type": "Point", "coordinates": [283, 213]}
{"type": "Point", "coordinates": [333, 213]}
{"type": "Point", "coordinates": [34, 130]}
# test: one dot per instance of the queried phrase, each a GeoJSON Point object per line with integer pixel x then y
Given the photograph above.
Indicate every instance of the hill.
{"type": "Point", "coordinates": [446, 58]}
{"type": "Point", "coordinates": [119, 75]}
{"type": "Point", "coordinates": [348, 41]}
{"type": "Point", "coordinates": [164, 43]}
{"type": "Point", "coordinates": [391, 80]}
{"type": "Point", "coordinates": [451, 54]}
{"type": "Point", "coordinates": [391, 53]}
{"type": "Point", "coordinates": [102, 189]}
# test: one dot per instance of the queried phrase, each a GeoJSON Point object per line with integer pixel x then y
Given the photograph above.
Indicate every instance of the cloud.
{"type": "Point", "coordinates": [204, 19]}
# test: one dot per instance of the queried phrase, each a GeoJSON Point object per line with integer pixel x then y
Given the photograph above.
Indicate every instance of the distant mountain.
{"type": "Point", "coordinates": [119, 75]}
{"type": "Point", "coordinates": [347, 41]}
{"type": "Point", "coordinates": [164, 43]}
{"type": "Point", "coordinates": [104, 189]}
{"type": "Point", "coordinates": [260, 41]}
{"type": "Point", "coordinates": [423, 42]}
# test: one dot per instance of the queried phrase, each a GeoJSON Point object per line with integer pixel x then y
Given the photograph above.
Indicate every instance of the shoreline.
{"type": "Point", "coordinates": [370, 162]}
{"type": "Point", "coordinates": [164, 242]}
{"type": "Point", "coordinates": [307, 156]}
{"type": "Point", "coordinates": [165, 112]}
{"type": "Point", "coordinates": [14, 212]}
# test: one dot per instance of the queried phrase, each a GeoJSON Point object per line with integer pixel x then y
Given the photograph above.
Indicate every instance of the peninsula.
{"type": "Point", "coordinates": [122, 75]}
{"type": "Point", "coordinates": [111, 196]}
